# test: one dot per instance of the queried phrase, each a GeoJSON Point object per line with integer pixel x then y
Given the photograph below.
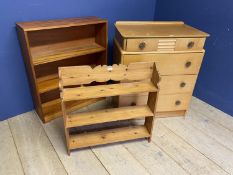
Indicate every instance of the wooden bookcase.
{"type": "Point", "coordinates": [47, 45]}
{"type": "Point", "coordinates": [132, 79]}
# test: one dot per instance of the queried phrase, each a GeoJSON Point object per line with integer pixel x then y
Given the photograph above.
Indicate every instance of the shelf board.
{"type": "Point", "coordinates": [52, 109]}
{"type": "Point", "coordinates": [107, 115]}
{"type": "Point", "coordinates": [60, 23]}
{"type": "Point", "coordinates": [107, 136]}
{"type": "Point", "coordinates": [81, 93]}
{"type": "Point", "coordinates": [48, 83]}
{"type": "Point", "coordinates": [64, 50]}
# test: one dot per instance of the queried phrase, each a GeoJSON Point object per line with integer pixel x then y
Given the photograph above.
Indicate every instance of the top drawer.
{"type": "Point", "coordinates": [162, 44]}
{"type": "Point", "coordinates": [166, 36]}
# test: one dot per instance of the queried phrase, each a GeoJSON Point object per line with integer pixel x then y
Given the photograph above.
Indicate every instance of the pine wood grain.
{"type": "Point", "coordinates": [107, 136]}
{"type": "Point", "coordinates": [169, 64]}
{"type": "Point", "coordinates": [107, 115]}
{"type": "Point", "coordinates": [163, 44]}
{"type": "Point", "coordinates": [177, 84]}
{"type": "Point", "coordinates": [175, 47]}
{"type": "Point", "coordinates": [173, 102]}
{"type": "Point", "coordinates": [157, 29]}
{"type": "Point", "coordinates": [90, 92]}
{"type": "Point", "coordinates": [77, 75]}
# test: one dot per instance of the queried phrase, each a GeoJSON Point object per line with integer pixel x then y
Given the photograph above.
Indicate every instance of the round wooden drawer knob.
{"type": "Point", "coordinates": [188, 64]}
{"type": "Point", "coordinates": [182, 84]}
{"type": "Point", "coordinates": [142, 45]}
{"type": "Point", "coordinates": [178, 102]}
{"type": "Point", "coordinates": [190, 44]}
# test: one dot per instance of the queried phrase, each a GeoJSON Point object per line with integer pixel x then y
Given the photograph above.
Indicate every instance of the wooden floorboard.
{"type": "Point", "coordinates": [210, 128]}
{"type": "Point", "coordinates": [200, 144]}
{"type": "Point", "coordinates": [208, 146]}
{"type": "Point", "coordinates": [9, 161]}
{"type": "Point", "coordinates": [193, 161]}
{"type": "Point", "coordinates": [80, 162]}
{"type": "Point", "coordinates": [153, 158]}
{"type": "Point", "coordinates": [117, 160]}
{"type": "Point", "coordinates": [35, 150]}
{"type": "Point", "coordinates": [212, 113]}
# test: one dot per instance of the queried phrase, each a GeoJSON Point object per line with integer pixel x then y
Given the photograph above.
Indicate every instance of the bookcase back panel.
{"type": "Point", "coordinates": [50, 36]}
{"type": "Point", "coordinates": [52, 67]}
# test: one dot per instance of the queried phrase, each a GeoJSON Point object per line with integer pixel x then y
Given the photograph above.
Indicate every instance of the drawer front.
{"type": "Point", "coordinates": [164, 44]}
{"type": "Point", "coordinates": [142, 45]}
{"type": "Point", "coordinates": [169, 64]}
{"type": "Point", "coordinates": [189, 44]}
{"type": "Point", "coordinates": [177, 84]}
{"type": "Point", "coordinates": [173, 102]}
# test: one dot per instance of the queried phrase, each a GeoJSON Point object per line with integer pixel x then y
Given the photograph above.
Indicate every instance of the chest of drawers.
{"type": "Point", "coordinates": [177, 50]}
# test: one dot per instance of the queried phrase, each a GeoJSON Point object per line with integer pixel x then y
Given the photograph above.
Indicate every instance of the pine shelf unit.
{"type": "Point", "coordinates": [47, 45]}
{"type": "Point", "coordinates": [132, 79]}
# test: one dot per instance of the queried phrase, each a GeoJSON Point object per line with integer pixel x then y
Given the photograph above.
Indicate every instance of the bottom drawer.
{"type": "Point", "coordinates": [173, 102]}
{"type": "Point", "coordinates": [165, 103]}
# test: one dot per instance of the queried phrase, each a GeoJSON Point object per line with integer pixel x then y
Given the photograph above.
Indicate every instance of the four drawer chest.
{"type": "Point", "coordinates": [177, 50]}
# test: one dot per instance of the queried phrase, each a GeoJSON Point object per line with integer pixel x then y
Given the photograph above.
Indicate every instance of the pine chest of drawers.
{"type": "Point", "coordinates": [177, 50]}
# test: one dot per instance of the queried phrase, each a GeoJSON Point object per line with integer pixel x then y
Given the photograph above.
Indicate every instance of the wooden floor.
{"type": "Point", "coordinates": [202, 143]}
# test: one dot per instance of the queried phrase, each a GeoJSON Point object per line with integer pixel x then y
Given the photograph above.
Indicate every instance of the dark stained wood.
{"type": "Point", "coordinates": [47, 45]}
{"type": "Point", "coordinates": [60, 23]}
{"type": "Point", "coordinates": [30, 71]}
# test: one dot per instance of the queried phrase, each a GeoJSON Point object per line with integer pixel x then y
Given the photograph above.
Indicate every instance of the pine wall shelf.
{"type": "Point", "coordinates": [132, 79]}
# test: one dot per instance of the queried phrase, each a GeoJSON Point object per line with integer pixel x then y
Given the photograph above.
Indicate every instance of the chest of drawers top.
{"type": "Point", "coordinates": [158, 36]}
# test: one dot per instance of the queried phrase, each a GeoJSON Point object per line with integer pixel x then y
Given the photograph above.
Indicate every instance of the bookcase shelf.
{"type": "Point", "coordinates": [47, 83]}
{"type": "Point", "coordinates": [48, 45]}
{"type": "Point", "coordinates": [52, 109]}
{"type": "Point", "coordinates": [59, 51]}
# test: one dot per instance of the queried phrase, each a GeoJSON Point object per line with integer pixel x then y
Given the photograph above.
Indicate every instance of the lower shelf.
{"type": "Point", "coordinates": [52, 109]}
{"type": "Point", "coordinates": [48, 83]}
{"type": "Point", "coordinates": [108, 136]}
{"type": "Point", "coordinates": [108, 115]}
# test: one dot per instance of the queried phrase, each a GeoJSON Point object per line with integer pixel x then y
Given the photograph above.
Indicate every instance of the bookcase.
{"type": "Point", "coordinates": [47, 45]}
